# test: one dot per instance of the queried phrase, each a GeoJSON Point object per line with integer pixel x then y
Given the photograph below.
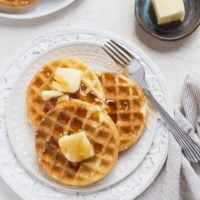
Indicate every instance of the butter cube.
{"type": "Point", "coordinates": [48, 94]}
{"type": "Point", "coordinates": [169, 10]}
{"type": "Point", "coordinates": [67, 80]}
{"type": "Point", "coordinates": [76, 147]}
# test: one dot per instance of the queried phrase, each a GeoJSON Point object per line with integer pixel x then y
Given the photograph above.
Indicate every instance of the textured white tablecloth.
{"type": "Point", "coordinates": [174, 59]}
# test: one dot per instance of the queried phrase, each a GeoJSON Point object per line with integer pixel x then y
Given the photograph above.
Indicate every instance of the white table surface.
{"type": "Point", "coordinates": [174, 59]}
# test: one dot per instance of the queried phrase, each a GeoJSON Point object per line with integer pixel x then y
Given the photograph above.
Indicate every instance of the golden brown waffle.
{"type": "Point", "coordinates": [70, 117]}
{"type": "Point", "coordinates": [90, 91]}
{"type": "Point", "coordinates": [17, 3]}
{"type": "Point", "coordinates": [127, 106]}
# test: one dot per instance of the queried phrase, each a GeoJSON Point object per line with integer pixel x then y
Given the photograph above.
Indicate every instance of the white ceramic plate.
{"type": "Point", "coordinates": [21, 134]}
{"type": "Point", "coordinates": [19, 168]}
{"type": "Point", "coordinates": [42, 8]}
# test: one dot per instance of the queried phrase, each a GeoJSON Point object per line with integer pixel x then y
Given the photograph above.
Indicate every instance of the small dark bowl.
{"type": "Point", "coordinates": [146, 17]}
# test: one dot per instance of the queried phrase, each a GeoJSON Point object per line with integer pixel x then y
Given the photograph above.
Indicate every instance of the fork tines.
{"type": "Point", "coordinates": [118, 53]}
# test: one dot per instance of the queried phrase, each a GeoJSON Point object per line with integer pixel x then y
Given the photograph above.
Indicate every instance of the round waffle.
{"type": "Point", "coordinates": [17, 3]}
{"type": "Point", "coordinates": [90, 90]}
{"type": "Point", "coordinates": [127, 106]}
{"type": "Point", "coordinates": [67, 118]}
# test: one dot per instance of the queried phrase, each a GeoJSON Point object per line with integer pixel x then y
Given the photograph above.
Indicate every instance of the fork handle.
{"type": "Point", "coordinates": [186, 143]}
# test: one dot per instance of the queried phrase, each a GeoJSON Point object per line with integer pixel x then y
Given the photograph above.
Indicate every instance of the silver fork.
{"type": "Point", "coordinates": [124, 58]}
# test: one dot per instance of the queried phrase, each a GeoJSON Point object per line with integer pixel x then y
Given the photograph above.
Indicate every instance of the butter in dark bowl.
{"type": "Point", "coordinates": [146, 17]}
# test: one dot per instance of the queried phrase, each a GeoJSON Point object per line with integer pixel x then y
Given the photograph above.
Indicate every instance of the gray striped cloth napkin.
{"type": "Point", "coordinates": [179, 180]}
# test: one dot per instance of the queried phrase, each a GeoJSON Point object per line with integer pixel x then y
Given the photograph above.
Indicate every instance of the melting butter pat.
{"type": "Point", "coordinates": [67, 80]}
{"type": "Point", "coordinates": [169, 10]}
{"type": "Point", "coordinates": [63, 98]}
{"type": "Point", "coordinates": [76, 147]}
{"type": "Point", "coordinates": [48, 94]}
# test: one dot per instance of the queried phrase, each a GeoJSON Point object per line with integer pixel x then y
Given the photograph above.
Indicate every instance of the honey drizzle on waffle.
{"type": "Point", "coordinates": [82, 94]}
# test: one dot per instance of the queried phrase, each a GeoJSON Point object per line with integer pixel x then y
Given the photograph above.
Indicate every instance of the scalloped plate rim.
{"type": "Point", "coordinates": [127, 43]}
